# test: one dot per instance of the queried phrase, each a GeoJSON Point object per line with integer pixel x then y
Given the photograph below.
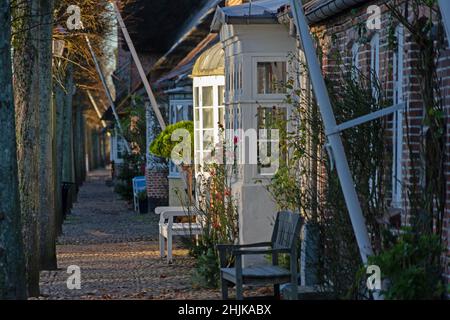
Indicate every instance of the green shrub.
{"type": "Point", "coordinates": [412, 267]}
{"type": "Point", "coordinates": [131, 167]}
{"type": "Point", "coordinates": [207, 273]}
{"type": "Point", "coordinates": [163, 145]}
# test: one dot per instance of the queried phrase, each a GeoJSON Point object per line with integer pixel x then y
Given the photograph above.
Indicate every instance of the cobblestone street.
{"type": "Point", "coordinates": [117, 251]}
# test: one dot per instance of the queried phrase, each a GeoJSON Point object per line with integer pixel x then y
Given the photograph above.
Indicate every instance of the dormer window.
{"type": "Point", "coordinates": [271, 77]}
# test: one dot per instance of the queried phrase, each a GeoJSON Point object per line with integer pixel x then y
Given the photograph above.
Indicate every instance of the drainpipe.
{"type": "Point", "coordinates": [330, 8]}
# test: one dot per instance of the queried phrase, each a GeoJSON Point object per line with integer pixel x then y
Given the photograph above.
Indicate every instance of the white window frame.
{"type": "Point", "coordinates": [374, 69]}
{"type": "Point", "coordinates": [185, 104]}
{"type": "Point", "coordinates": [397, 122]}
{"type": "Point", "coordinates": [355, 60]}
{"type": "Point", "coordinates": [257, 173]}
{"type": "Point", "coordinates": [117, 143]}
{"type": "Point", "coordinates": [375, 54]}
{"type": "Point", "coordinates": [200, 82]}
{"type": "Point", "coordinates": [270, 96]}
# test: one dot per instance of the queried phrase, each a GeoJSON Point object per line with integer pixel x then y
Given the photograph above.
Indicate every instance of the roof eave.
{"type": "Point", "coordinates": [220, 19]}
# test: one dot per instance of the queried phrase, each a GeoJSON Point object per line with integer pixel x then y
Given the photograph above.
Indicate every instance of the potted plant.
{"type": "Point", "coordinates": [143, 202]}
{"type": "Point", "coordinates": [164, 145]}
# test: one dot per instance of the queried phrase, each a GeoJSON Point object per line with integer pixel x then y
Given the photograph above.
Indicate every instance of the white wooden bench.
{"type": "Point", "coordinates": [168, 228]}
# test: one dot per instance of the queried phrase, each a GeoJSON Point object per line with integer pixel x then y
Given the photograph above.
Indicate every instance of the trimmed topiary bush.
{"type": "Point", "coordinates": [163, 145]}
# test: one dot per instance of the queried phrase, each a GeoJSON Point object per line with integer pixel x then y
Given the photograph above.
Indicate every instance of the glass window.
{"type": "Point", "coordinates": [208, 140]}
{"type": "Point", "coordinates": [179, 113]}
{"type": "Point", "coordinates": [197, 118]}
{"type": "Point", "coordinates": [208, 117]}
{"type": "Point", "coordinates": [172, 114]}
{"type": "Point", "coordinates": [197, 140]}
{"type": "Point", "coordinates": [271, 118]}
{"type": "Point", "coordinates": [196, 96]}
{"type": "Point", "coordinates": [120, 148]}
{"type": "Point", "coordinates": [398, 134]}
{"type": "Point", "coordinates": [221, 95]}
{"type": "Point", "coordinates": [355, 61]}
{"type": "Point", "coordinates": [189, 113]}
{"type": "Point", "coordinates": [207, 97]}
{"type": "Point", "coordinates": [271, 77]}
{"type": "Point", "coordinates": [375, 55]}
{"type": "Point", "coordinates": [221, 116]}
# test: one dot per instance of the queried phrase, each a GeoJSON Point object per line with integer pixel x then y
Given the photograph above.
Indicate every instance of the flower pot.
{"type": "Point", "coordinates": [143, 206]}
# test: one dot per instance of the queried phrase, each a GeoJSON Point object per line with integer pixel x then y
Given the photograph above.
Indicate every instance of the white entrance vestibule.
{"type": "Point", "coordinates": [257, 50]}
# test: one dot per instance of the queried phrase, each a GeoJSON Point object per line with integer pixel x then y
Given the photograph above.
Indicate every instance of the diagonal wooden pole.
{"type": "Point", "coordinates": [97, 110]}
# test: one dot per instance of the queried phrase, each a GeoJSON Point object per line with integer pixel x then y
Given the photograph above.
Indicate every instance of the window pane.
{"type": "Point", "coordinates": [271, 118]}
{"type": "Point", "coordinates": [197, 118]}
{"type": "Point", "coordinates": [271, 77]}
{"type": "Point", "coordinates": [180, 113]}
{"type": "Point", "coordinates": [221, 95]}
{"type": "Point", "coordinates": [208, 140]}
{"type": "Point", "coordinates": [190, 109]}
{"type": "Point", "coordinates": [197, 159]}
{"type": "Point", "coordinates": [196, 96]}
{"type": "Point", "coordinates": [208, 118]}
{"type": "Point", "coordinates": [197, 140]}
{"type": "Point", "coordinates": [172, 114]}
{"type": "Point", "coordinates": [207, 96]}
{"type": "Point", "coordinates": [221, 116]}
{"type": "Point", "coordinates": [120, 148]}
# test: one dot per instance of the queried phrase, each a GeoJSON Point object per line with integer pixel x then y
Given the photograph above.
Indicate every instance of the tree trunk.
{"type": "Point", "coordinates": [26, 95]}
{"type": "Point", "coordinates": [78, 145]}
{"type": "Point", "coordinates": [59, 106]}
{"type": "Point", "coordinates": [67, 142]}
{"type": "Point", "coordinates": [46, 177]}
{"type": "Point", "coordinates": [12, 259]}
{"type": "Point", "coordinates": [83, 148]}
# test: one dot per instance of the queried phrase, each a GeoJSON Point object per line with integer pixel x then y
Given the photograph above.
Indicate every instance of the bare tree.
{"type": "Point", "coordinates": [46, 162]}
{"type": "Point", "coordinates": [26, 96]}
{"type": "Point", "coordinates": [12, 260]}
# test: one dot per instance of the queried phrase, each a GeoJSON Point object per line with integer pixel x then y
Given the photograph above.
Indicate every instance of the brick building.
{"type": "Point", "coordinates": [344, 37]}
{"type": "Point", "coordinates": [339, 29]}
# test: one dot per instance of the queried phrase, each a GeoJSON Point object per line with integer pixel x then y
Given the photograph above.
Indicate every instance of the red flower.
{"type": "Point", "coordinates": [236, 140]}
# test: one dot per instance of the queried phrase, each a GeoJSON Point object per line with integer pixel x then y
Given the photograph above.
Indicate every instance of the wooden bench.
{"type": "Point", "coordinates": [168, 228]}
{"type": "Point", "coordinates": [285, 237]}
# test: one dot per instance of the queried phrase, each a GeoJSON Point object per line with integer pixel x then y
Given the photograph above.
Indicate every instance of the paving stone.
{"type": "Point", "coordinates": [117, 252]}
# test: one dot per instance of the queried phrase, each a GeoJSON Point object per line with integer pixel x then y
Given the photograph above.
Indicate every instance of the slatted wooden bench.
{"type": "Point", "coordinates": [168, 228]}
{"type": "Point", "coordinates": [285, 234]}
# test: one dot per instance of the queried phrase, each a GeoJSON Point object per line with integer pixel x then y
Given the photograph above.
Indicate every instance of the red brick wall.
{"type": "Point", "coordinates": [157, 183]}
{"type": "Point", "coordinates": [444, 74]}
{"type": "Point", "coordinates": [338, 35]}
